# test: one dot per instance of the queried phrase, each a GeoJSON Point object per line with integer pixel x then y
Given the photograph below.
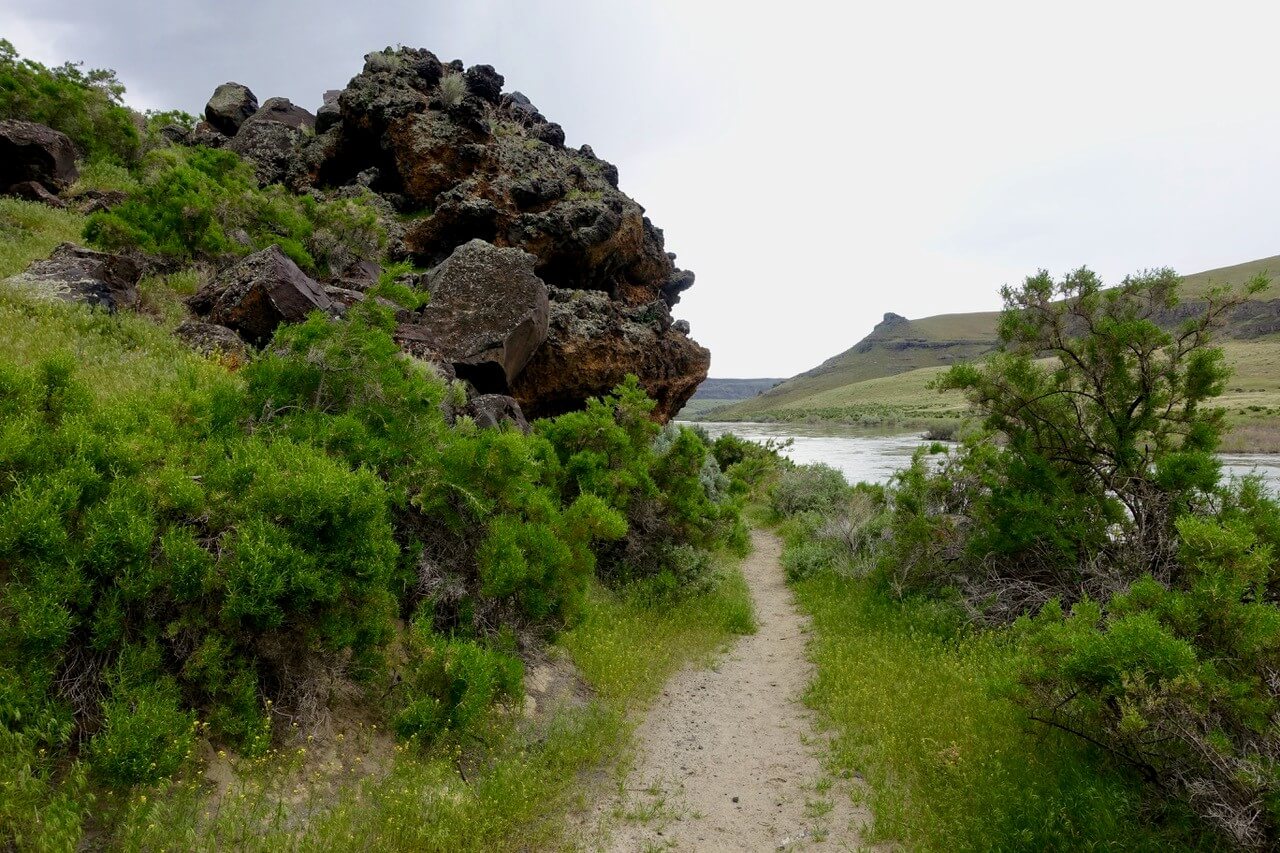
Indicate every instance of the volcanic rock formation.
{"type": "Point", "coordinates": [453, 160]}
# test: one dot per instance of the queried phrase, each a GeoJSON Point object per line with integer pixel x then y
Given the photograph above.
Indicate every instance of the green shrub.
{"type": "Point", "coordinates": [145, 735]}
{"type": "Point", "coordinates": [451, 683]}
{"type": "Point", "coordinates": [198, 203]}
{"type": "Point", "coordinates": [85, 105]}
{"type": "Point", "coordinates": [808, 488]}
{"type": "Point", "coordinates": [453, 88]}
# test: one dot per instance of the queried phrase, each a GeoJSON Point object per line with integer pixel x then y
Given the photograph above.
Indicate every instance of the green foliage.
{"type": "Point", "coordinates": [178, 543]}
{"type": "Point", "coordinates": [665, 481]}
{"type": "Point", "coordinates": [1175, 682]}
{"type": "Point", "coordinates": [808, 488]}
{"type": "Point", "coordinates": [85, 105]}
{"type": "Point", "coordinates": [30, 230]}
{"type": "Point", "coordinates": [453, 88]}
{"type": "Point", "coordinates": [197, 203]}
{"type": "Point", "coordinates": [450, 683]}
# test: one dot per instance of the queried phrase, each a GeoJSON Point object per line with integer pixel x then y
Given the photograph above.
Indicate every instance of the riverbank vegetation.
{"type": "Point", "coordinates": [1061, 632]}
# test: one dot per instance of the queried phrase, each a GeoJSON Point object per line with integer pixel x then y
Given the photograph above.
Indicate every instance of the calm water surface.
{"type": "Point", "coordinates": [863, 455]}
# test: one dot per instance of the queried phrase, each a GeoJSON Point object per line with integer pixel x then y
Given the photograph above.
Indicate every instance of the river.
{"type": "Point", "coordinates": [863, 455]}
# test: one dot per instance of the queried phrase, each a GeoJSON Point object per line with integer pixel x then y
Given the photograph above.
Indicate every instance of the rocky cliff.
{"type": "Point", "coordinates": [452, 158]}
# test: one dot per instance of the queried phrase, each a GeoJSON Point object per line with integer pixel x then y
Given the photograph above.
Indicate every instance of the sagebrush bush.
{"type": "Point", "coordinates": [807, 488]}
{"type": "Point", "coordinates": [199, 203]}
{"type": "Point", "coordinates": [453, 88]}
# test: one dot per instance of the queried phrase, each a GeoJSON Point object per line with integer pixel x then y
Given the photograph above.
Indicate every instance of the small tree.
{"type": "Point", "coordinates": [1103, 397]}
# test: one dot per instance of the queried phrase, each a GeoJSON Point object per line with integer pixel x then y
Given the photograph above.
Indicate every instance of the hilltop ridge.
{"type": "Point", "coordinates": [855, 386]}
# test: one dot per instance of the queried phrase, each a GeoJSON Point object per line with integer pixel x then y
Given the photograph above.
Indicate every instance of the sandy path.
{"type": "Point", "coordinates": [727, 757]}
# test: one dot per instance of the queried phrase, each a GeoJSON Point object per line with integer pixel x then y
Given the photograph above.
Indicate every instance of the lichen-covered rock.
{"type": "Point", "coordinates": [212, 340]}
{"type": "Point", "coordinates": [34, 152]}
{"type": "Point", "coordinates": [487, 165]}
{"type": "Point", "coordinates": [593, 342]}
{"type": "Point", "coordinates": [207, 135]}
{"type": "Point", "coordinates": [76, 274]}
{"type": "Point", "coordinates": [486, 318]}
{"type": "Point", "coordinates": [230, 106]}
{"type": "Point", "coordinates": [258, 293]}
{"type": "Point", "coordinates": [271, 146]}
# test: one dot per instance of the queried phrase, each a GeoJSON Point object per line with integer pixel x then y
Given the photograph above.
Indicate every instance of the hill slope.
{"type": "Point", "coordinates": [841, 388]}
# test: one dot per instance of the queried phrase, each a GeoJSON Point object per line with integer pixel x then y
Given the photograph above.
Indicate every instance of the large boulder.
{"type": "Point", "coordinates": [76, 274]}
{"type": "Point", "coordinates": [481, 164]}
{"type": "Point", "coordinates": [258, 293]}
{"type": "Point", "coordinates": [33, 152]}
{"type": "Point", "coordinates": [593, 342]}
{"type": "Point", "coordinates": [230, 106]}
{"type": "Point", "coordinates": [487, 315]}
{"type": "Point", "coordinates": [269, 140]}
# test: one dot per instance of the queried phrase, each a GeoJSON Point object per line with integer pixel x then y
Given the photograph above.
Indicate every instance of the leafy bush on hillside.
{"type": "Point", "coordinates": [198, 203]}
{"type": "Point", "coordinates": [85, 105]}
{"type": "Point", "coordinates": [665, 482]}
{"type": "Point", "coordinates": [236, 550]}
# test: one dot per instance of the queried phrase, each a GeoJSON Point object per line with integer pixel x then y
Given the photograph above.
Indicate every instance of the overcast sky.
{"type": "Point", "coordinates": [816, 163]}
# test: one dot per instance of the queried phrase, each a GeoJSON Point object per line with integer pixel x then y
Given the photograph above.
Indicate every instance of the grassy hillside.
{"type": "Point", "coordinates": [883, 379]}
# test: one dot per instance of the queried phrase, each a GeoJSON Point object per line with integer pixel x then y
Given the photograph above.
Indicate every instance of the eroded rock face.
{"type": "Point", "coordinates": [259, 293]}
{"type": "Point", "coordinates": [34, 152]}
{"type": "Point", "coordinates": [230, 106]}
{"type": "Point", "coordinates": [593, 342]}
{"type": "Point", "coordinates": [444, 144]}
{"type": "Point", "coordinates": [76, 274]}
{"type": "Point", "coordinates": [487, 316]}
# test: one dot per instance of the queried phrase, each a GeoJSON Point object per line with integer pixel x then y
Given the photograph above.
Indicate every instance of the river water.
{"type": "Point", "coordinates": [863, 455]}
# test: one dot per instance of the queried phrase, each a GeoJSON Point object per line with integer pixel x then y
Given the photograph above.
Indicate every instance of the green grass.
{"type": "Point", "coordinates": [925, 716]}
{"type": "Point", "coordinates": [509, 785]}
{"type": "Point", "coordinates": [30, 230]}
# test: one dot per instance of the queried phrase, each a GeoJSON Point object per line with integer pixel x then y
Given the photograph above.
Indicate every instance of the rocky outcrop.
{"type": "Point", "coordinates": [444, 144]}
{"type": "Point", "coordinates": [487, 315]}
{"type": "Point", "coordinates": [76, 274]}
{"type": "Point", "coordinates": [231, 105]}
{"type": "Point", "coordinates": [259, 293]}
{"type": "Point", "coordinates": [593, 342]}
{"type": "Point", "coordinates": [31, 152]}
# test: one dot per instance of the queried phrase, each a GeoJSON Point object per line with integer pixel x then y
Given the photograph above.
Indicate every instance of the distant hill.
{"type": "Point", "coordinates": [715, 393]}
{"type": "Point", "coordinates": [852, 387]}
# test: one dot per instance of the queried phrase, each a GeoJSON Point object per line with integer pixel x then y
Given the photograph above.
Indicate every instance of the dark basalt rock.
{"type": "Point", "coordinates": [284, 111]}
{"type": "Point", "coordinates": [93, 201]}
{"type": "Point", "coordinates": [491, 167]}
{"type": "Point", "coordinates": [76, 274]}
{"type": "Point", "coordinates": [35, 191]}
{"type": "Point", "coordinates": [207, 135]}
{"type": "Point", "coordinates": [270, 139]}
{"type": "Point", "coordinates": [212, 340]}
{"type": "Point", "coordinates": [487, 315]}
{"type": "Point", "coordinates": [490, 411]}
{"type": "Point", "coordinates": [229, 108]}
{"type": "Point", "coordinates": [34, 152]}
{"type": "Point", "coordinates": [593, 342]}
{"type": "Point", "coordinates": [484, 82]}
{"type": "Point", "coordinates": [259, 293]}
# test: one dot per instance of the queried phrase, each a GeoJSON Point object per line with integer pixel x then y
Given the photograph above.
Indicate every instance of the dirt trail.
{"type": "Point", "coordinates": [727, 757]}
